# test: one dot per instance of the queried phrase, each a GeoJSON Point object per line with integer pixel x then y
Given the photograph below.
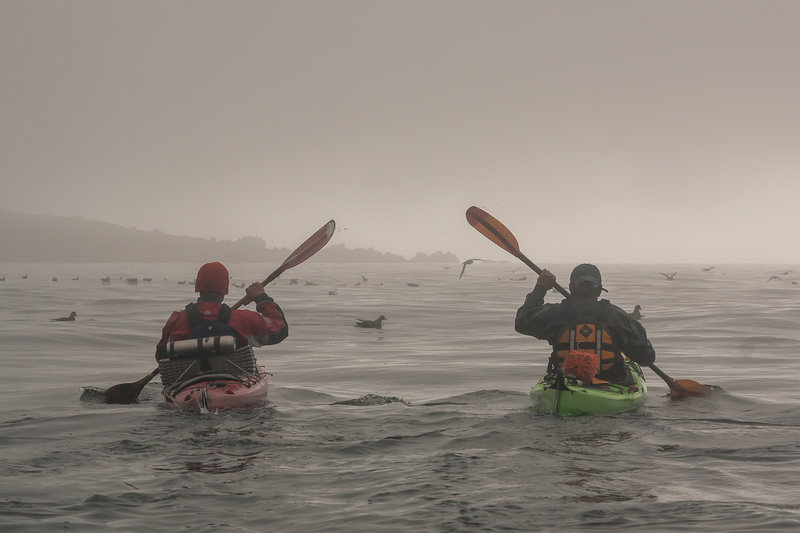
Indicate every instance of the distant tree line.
{"type": "Point", "coordinates": [26, 238]}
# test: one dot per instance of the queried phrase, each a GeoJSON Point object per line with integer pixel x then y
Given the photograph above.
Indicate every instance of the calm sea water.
{"type": "Point", "coordinates": [435, 432]}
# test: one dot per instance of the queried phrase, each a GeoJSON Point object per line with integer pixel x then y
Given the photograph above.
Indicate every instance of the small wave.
{"type": "Point", "coordinates": [372, 399]}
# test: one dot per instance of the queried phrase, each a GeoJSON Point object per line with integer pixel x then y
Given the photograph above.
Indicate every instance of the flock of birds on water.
{"type": "Point", "coordinates": [636, 314]}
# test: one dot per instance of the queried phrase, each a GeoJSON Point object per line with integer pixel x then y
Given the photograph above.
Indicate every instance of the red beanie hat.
{"type": "Point", "coordinates": [212, 277]}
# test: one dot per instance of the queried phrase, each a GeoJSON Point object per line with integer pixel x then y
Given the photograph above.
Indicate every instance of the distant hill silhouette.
{"type": "Point", "coordinates": [26, 238]}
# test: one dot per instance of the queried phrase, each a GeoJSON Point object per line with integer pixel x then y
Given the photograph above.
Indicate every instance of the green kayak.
{"type": "Point", "coordinates": [566, 396]}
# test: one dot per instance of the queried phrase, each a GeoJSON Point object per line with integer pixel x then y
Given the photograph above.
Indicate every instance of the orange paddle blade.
{"type": "Point", "coordinates": [311, 246]}
{"type": "Point", "coordinates": [493, 229]}
{"type": "Point", "coordinates": [685, 388]}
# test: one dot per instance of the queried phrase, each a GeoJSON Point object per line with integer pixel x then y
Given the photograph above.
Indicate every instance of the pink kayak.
{"type": "Point", "coordinates": [217, 392]}
{"type": "Point", "coordinates": [212, 375]}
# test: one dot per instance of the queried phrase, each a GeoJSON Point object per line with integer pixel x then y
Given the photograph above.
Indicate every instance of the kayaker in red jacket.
{"type": "Point", "coordinates": [210, 317]}
{"type": "Point", "coordinates": [560, 324]}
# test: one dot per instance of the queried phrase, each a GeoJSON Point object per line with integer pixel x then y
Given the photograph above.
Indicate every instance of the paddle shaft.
{"type": "Point", "coordinates": [496, 232]}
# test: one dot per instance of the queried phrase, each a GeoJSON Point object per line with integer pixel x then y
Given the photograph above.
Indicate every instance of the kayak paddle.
{"type": "Point", "coordinates": [129, 392]}
{"type": "Point", "coordinates": [495, 231]}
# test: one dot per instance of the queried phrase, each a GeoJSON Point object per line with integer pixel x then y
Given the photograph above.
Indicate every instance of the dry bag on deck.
{"type": "Point", "coordinates": [581, 364]}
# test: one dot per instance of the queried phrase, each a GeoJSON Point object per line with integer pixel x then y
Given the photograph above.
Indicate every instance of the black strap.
{"type": "Point", "coordinates": [192, 314]}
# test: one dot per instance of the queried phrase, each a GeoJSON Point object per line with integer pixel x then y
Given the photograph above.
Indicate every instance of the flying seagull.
{"type": "Point", "coordinates": [375, 324]}
{"type": "Point", "coordinates": [465, 263]}
{"type": "Point", "coordinates": [669, 276]}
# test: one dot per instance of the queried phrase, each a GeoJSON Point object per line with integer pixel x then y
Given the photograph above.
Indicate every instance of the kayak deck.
{"type": "Point", "coordinates": [566, 396]}
{"type": "Point", "coordinates": [214, 382]}
{"type": "Point", "coordinates": [219, 392]}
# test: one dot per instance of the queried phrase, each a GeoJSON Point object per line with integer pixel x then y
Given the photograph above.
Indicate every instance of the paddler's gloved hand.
{"type": "Point", "coordinates": [545, 282]}
{"type": "Point", "coordinates": [255, 293]}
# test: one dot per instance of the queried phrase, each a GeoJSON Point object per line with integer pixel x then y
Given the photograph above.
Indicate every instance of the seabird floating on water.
{"type": "Point", "coordinates": [376, 324]}
{"type": "Point", "coordinates": [636, 312]}
{"type": "Point", "coordinates": [69, 318]}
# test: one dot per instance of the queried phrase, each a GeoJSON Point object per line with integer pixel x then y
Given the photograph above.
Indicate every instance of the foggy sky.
{"type": "Point", "coordinates": [603, 131]}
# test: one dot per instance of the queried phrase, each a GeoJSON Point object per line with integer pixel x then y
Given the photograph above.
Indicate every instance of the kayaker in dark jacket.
{"type": "Point", "coordinates": [583, 322]}
{"type": "Point", "coordinates": [210, 317]}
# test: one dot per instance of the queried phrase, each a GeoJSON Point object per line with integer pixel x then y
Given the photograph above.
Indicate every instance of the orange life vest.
{"type": "Point", "coordinates": [587, 338]}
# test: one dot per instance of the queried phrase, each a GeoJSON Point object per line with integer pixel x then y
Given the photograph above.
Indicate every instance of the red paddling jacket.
{"type": "Point", "coordinates": [262, 328]}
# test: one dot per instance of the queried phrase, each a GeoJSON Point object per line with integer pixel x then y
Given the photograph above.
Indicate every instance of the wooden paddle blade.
{"type": "Point", "coordinates": [311, 246]}
{"type": "Point", "coordinates": [680, 388]}
{"type": "Point", "coordinates": [127, 392]}
{"type": "Point", "coordinates": [496, 232]}
{"type": "Point", "coordinates": [686, 388]}
{"type": "Point", "coordinates": [493, 229]}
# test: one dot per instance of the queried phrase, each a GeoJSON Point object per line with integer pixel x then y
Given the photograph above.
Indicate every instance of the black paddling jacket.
{"type": "Point", "coordinates": [550, 321]}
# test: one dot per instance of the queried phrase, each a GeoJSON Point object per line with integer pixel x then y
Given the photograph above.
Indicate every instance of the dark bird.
{"type": "Point", "coordinates": [376, 324]}
{"type": "Point", "coordinates": [708, 269]}
{"type": "Point", "coordinates": [669, 276]}
{"type": "Point", "coordinates": [465, 263]}
{"type": "Point", "coordinates": [775, 278]}
{"type": "Point", "coordinates": [637, 314]}
{"type": "Point", "coordinates": [106, 279]}
{"type": "Point", "coordinates": [69, 318]}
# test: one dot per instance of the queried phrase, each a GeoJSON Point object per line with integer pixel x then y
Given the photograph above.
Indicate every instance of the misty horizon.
{"type": "Point", "coordinates": [245, 248]}
{"type": "Point", "coordinates": [656, 132]}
